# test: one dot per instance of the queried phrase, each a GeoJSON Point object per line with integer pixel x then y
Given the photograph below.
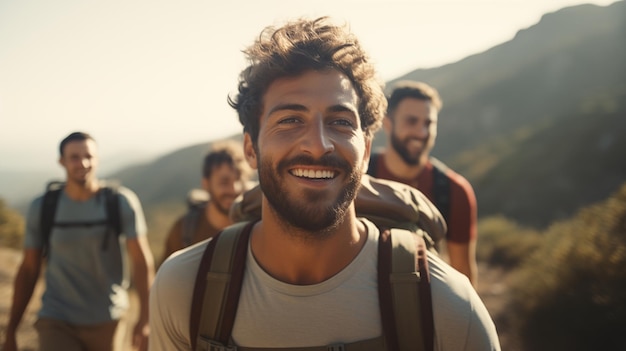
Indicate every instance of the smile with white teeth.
{"type": "Point", "coordinates": [313, 174]}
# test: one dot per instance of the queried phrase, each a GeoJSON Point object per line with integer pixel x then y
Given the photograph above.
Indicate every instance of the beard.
{"type": "Point", "coordinates": [223, 203]}
{"type": "Point", "coordinates": [308, 211]}
{"type": "Point", "coordinates": [410, 158]}
{"type": "Point", "coordinates": [80, 178]}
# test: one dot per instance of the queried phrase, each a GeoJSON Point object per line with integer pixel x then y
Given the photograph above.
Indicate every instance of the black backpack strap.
{"type": "Point", "coordinates": [48, 213]}
{"type": "Point", "coordinates": [404, 291]}
{"type": "Point", "coordinates": [221, 268]}
{"type": "Point", "coordinates": [114, 220]}
{"type": "Point", "coordinates": [441, 187]}
{"type": "Point", "coordinates": [372, 166]}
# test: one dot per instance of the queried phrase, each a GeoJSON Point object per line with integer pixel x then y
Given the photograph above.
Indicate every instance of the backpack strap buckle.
{"type": "Point", "coordinates": [336, 347]}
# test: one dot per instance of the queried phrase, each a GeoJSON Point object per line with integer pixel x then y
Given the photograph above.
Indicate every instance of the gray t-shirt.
{"type": "Point", "coordinates": [342, 309]}
{"type": "Point", "coordinates": [86, 275]}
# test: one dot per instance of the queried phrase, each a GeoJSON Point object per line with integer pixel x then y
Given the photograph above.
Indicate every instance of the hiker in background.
{"type": "Point", "coordinates": [225, 175]}
{"type": "Point", "coordinates": [74, 231]}
{"type": "Point", "coordinates": [411, 129]}
{"type": "Point", "coordinates": [309, 104]}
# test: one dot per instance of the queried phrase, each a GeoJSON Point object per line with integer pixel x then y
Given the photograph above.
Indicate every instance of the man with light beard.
{"type": "Point", "coordinates": [309, 103]}
{"type": "Point", "coordinates": [411, 129]}
{"type": "Point", "coordinates": [225, 175]}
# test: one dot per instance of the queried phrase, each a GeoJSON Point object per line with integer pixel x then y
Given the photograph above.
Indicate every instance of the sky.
{"type": "Point", "coordinates": [148, 77]}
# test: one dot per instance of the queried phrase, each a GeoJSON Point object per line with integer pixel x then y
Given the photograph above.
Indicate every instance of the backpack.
{"type": "Point", "coordinates": [387, 203]}
{"type": "Point", "coordinates": [402, 265]}
{"type": "Point", "coordinates": [403, 287]}
{"type": "Point", "coordinates": [49, 207]}
{"type": "Point", "coordinates": [441, 182]}
{"type": "Point", "coordinates": [197, 200]}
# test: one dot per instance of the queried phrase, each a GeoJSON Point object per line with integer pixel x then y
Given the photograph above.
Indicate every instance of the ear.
{"type": "Point", "coordinates": [250, 153]}
{"type": "Point", "coordinates": [61, 162]}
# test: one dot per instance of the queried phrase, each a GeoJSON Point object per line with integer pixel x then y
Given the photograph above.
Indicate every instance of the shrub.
{"type": "Point", "coordinates": [570, 294]}
{"type": "Point", "coordinates": [11, 227]}
{"type": "Point", "coordinates": [502, 242]}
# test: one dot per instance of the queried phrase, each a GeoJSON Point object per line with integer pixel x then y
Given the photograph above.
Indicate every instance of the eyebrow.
{"type": "Point", "coordinates": [302, 108]}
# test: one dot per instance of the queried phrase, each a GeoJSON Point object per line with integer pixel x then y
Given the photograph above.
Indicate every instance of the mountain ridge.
{"type": "Point", "coordinates": [519, 119]}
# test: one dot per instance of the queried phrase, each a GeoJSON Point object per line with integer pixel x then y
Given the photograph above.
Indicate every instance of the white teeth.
{"type": "Point", "coordinates": [308, 173]}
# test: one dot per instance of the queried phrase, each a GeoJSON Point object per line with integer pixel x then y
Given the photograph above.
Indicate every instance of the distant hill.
{"type": "Point", "coordinates": [170, 177]}
{"type": "Point", "coordinates": [537, 124]}
{"type": "Point", "coordinates": [544, 72]}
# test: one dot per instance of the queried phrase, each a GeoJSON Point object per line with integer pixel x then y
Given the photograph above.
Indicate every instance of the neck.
{"type": "Point", "coordinates": [81, 191]}
{"type": "Point", "coordinates": [295, 257]}
{"type": "Point", "coordinates": [217, 218]}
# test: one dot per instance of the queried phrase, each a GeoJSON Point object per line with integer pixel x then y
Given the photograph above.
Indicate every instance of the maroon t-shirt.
{"type": "Point", "coordinates": [462, 217]}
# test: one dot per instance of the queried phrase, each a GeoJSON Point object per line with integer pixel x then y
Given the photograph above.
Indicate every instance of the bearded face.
{"type": "Point", "coordinates": [310, 210]}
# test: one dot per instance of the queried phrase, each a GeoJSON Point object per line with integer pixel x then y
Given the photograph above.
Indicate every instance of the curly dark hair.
{"type": "Point", "coordinates": [300, 46]}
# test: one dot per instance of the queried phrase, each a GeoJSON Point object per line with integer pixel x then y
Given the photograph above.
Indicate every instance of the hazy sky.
{"type": "Point", "coordinates": [147, 77]}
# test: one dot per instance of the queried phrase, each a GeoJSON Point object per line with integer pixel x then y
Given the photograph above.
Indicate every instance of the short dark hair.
{"type": "Point", "coordinates": [225, 152]}
{"type": "Point", "coordinates": [298, 47]}
{"type": "Point", "coordinates": [75, 136]}
{"type": "Point", "coordinates": [415, 90]}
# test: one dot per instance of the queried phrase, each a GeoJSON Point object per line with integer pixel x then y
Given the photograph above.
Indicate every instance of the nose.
{"type": "Point", "coordinates": [421, 131]}
{"type": "Point", "coordinates": [317, 141]}
{"type": "Point", "coordinates": [85, 162]}
{"type": "Point", "coordinates": [235, 188]}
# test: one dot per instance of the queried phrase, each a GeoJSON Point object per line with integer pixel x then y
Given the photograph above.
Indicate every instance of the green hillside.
{"type": "Point", "coordinates": [537, 124]}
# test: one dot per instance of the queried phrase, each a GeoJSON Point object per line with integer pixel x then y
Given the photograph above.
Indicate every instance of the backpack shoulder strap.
{"type": "Point", "coordinates": [48, 213]}
{"type": "Point", "coordinates": [112, 198]}
{"type": "Point", "coordinates": [113, 217]}
{"type": "Point", "coordinates": [404, 291]}
{"type": "Point", "coordinates": [441, 187]}
{"type": "Point", "coordinates": [372, 166]}
{"type": "Point", "coordinates": [221, 268]}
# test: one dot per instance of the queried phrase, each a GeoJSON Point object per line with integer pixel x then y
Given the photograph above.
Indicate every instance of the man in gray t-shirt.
{"type": "Point", "coordinates": [86, 276]}
{"type": "Point", "coordinates": [309, 103]}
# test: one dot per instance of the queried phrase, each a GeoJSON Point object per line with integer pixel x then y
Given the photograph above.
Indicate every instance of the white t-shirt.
{"type": "Point", "coordinates": [342, 309]}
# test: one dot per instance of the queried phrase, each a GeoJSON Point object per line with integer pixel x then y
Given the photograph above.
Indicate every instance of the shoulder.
{"type": "Point", "coordinates": [176, 228]}
{"type": "Point", "coordinates": [123, 191]}
{"type": "Point", "coordinates": [126, 196]}
{"type": "Point", "coordinates": [36, 203]}
{"type": "Point", "coordinates": [458, 310]}
{"type": "Point", "coordinates": [180, 268]}
{"type": "Point", "coordinates": [457, 181]}
{"type": "Point", "coordinates": [172, 291]}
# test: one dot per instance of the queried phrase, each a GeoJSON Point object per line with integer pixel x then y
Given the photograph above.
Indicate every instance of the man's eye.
{"type": "Point", "coordinates": [288, 120]}
{"type": "Point", "coordinates": [343, 122]}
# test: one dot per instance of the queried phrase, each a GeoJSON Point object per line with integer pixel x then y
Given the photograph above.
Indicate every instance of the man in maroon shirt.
{"type": "Point", "coordinates": [411, 129]}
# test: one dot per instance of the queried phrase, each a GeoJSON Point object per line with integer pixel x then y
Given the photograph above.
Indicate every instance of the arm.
{"type": "Point", "coordinates": [143, 274]}
{"type": "Point", "coordinates": [463, 228]}
{"type": "Point", "coordinates": [170, 301]}
{"type": "Point", "coordinates": [463, 259]}
{"type": "Point", "coordinates": [461, 319]}
{"type": "Point", "coordinates": [23, 288]}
